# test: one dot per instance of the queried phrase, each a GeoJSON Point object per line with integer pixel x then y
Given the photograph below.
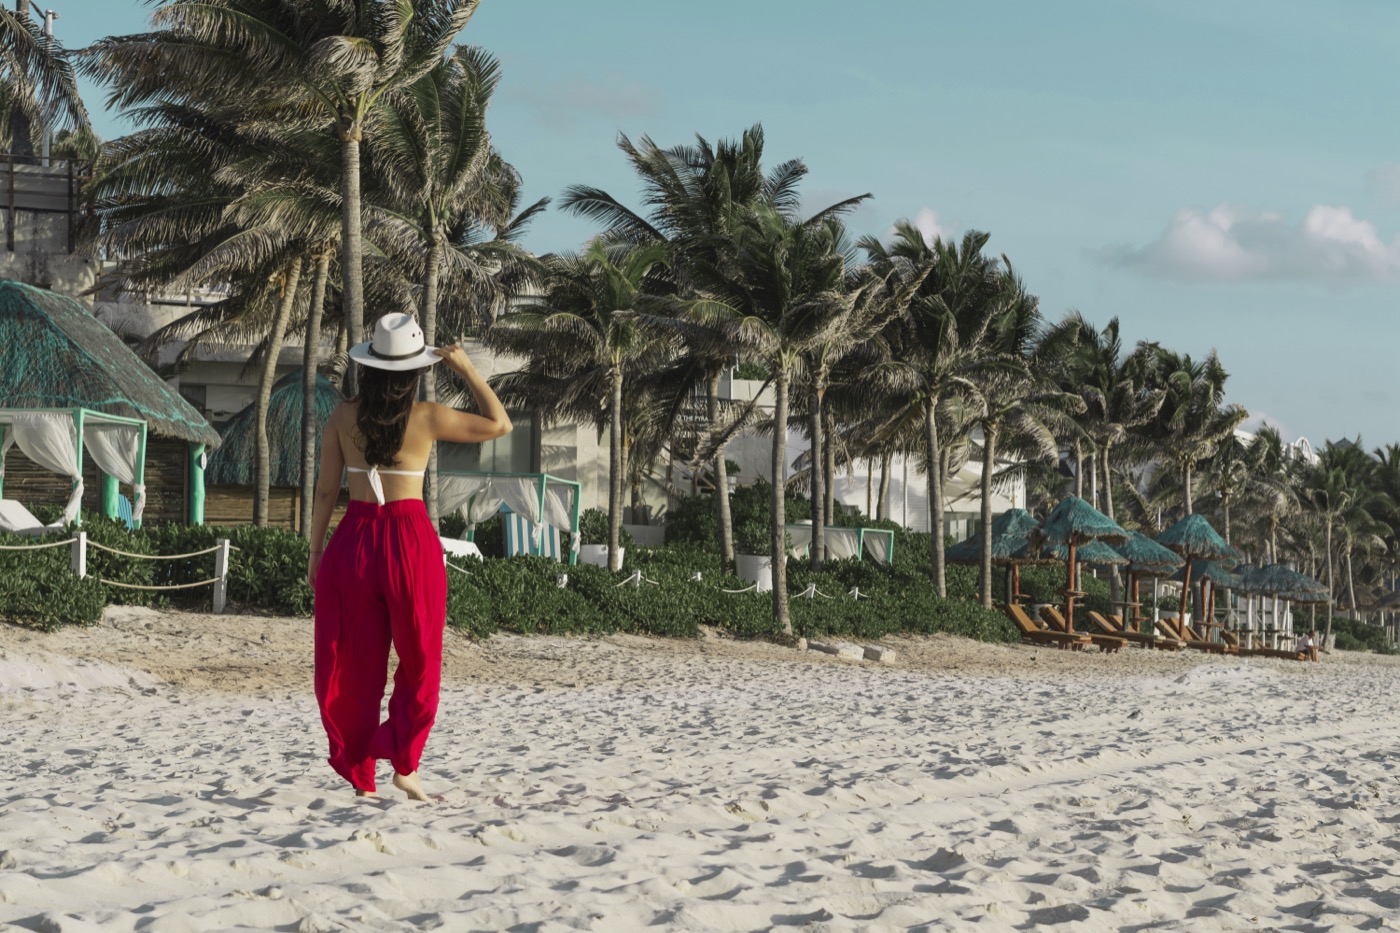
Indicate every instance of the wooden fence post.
{"type": "Point", "coordinates": [80, 554]}
{"type": "Point", "coordinates": [221, 575]}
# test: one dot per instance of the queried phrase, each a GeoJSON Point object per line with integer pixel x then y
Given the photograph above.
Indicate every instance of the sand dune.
{"type": "Point", "coordinates": [167, 774]}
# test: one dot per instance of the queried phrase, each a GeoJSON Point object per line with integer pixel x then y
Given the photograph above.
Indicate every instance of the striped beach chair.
{"type": "Point", "coordinates": [520, 537]}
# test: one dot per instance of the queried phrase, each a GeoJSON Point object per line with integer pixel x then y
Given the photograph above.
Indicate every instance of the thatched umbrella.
{"type": "Point", "coordinates": [1279, 582]}
{"type": "Point", "coordinates": [1146, 556]}
{"type": "Point", "coordinates": [1194, 539]}
{"type": "Point", "coordinates": [235, 462]}
{"type": "Point", "coordinates": [1218, 574]}
{"type": "Point", "coordinates": [55, 355]}
{"type": "Point", "coordinates": [1009, 534]}
{"type": "Point", "coordinates": [1074, 523]}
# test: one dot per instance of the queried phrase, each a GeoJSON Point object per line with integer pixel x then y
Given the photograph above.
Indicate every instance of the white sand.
{"type": "Point", "coordinates": [166, 773]}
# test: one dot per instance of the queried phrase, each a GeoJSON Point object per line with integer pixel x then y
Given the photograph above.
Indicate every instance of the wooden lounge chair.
{"type": "Point", "coordinates": [1106, 643]}
{"type": "Point", "coordinates": [1172, 627]}
{"type": "Point", "coordinates": [1113, 625]}
{"type": "Point", "coordinates": [1033, 634]}
{"type": "Point", "coordinates": [1290, 654]}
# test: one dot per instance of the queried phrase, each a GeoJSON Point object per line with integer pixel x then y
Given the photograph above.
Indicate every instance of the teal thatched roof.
{"type": "Point", "coordinates": [1074, 516]}
{"type": "Point", "coordinates": [1278, 580]}
{"type": "Point", "coordinates": [55, 354]}
{"type": "Point", "coordinates": [1009, 531]}
{"type": "Point", "coordinates": [1145, 555]}
{"type": "Point", "coordinates": [1089, 552]}
{"type": "Point", "coordinates": [235, 462]}
{"type": "Point", "coordinates": [1194, 537]}
{"type": "Point", "coordinates": [1213, 571]}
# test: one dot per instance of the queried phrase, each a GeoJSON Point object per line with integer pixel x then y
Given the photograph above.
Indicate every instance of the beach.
{"type": "Point", "coordinates": [167, 773]}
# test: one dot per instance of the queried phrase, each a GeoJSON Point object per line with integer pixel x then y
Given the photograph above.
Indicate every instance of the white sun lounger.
{"type": "Point", "coordinates": [456, 547]}
{"type": "Point", "coordinates": [15, 519]}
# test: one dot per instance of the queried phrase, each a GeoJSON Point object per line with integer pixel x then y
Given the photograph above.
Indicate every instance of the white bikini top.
{"type": "Point", "coordinates": [375, 483]}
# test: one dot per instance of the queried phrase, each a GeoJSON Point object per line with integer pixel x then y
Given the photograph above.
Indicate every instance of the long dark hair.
{"type": "Point", "coordinates": [386, 398]}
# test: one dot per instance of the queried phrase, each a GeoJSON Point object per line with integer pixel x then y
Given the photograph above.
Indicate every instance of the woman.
{"type": "Point", "coordinates": [382, 578]}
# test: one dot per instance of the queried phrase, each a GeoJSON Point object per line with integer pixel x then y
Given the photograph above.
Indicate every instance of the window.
{"type": "Point", "coordinates": [514, 453]}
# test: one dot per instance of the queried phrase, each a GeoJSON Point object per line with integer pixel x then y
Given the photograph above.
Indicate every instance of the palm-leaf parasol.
{"type": "Point", "coordinates": [1074, 523]}
{"type": "Point", "coordinates": [1146, 556]}
{"type": "Point", "coordinates": [1194, 539]}
{"type": "Point", "coordinates": [1009, 535]}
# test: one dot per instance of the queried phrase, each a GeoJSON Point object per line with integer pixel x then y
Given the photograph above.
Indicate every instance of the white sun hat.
{"type": "Point", "coordinates": [397, 345]}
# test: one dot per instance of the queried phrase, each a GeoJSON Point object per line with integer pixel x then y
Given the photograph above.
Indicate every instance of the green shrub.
{"type": "Point", "coordinates": [38, 589]}
{"type": "Point", "coordinates": [593, 529]}
{"type": "Point", "coordinates": [1353, 635]}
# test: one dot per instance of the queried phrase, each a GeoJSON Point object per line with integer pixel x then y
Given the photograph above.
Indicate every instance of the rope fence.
{"type": "Point", "coordinates": [80, 545]}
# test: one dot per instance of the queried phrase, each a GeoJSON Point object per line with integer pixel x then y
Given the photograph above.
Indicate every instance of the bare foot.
{"type": "Point", "coordinates": [408, 783]}
{"type": "Point", "coordinates": [365, 793]}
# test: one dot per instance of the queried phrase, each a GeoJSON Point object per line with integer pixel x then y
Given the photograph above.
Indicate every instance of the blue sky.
{"type": "Point", "coordinates": [1216, 175]}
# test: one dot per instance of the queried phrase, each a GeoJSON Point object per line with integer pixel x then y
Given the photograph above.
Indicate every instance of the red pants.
{"type": "Point", "coordinates": [381, 580]}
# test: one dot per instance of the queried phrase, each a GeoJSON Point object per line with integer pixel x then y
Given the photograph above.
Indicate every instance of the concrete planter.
{"type": "Point", "coordinates": [756, 569]}
{"type": "Point", "coordinates": [597, 555]}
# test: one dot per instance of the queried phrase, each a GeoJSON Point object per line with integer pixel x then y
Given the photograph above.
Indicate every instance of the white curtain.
{"type": "Point", "coordinates": [558, 511]}
{"type": "Point", "coordinates": [842, 543]}
{"type": "Point", "coordinates": [480, 497]}
{"type": "Point", "coordinates": [50, 440]}
{"type": "Point", "coordinates": [799, 539]}
{"type": "Point", "coordinates": [877, 545]}
{"type": "Point", "coordinates": [115, 448]}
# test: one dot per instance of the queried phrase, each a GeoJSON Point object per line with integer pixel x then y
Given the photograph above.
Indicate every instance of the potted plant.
{"type": "Point", "coordinates": [753, 542]}
{"type": "Point", "coordinates": [593, 536]}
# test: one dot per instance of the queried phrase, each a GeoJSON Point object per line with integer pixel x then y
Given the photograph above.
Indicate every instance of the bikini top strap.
{"type": "Point", "coordinates": [374, 481]}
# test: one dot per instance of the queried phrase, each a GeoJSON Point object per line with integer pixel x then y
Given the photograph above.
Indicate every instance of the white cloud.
{"type": "Point", "coordinates": [1231, 244]}
{"type": "Point", "coordinates": [930, 226]}
{"type": "Point", "coordinates": [1383, 184]}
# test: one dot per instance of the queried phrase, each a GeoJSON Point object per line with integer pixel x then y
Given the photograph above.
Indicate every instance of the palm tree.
{"type": "Point", "coordinates": [330, 62]}
{"type": "Point", "coordinates": [1192, 421]}
{"type": "Point", "coordinates": [1016, 402]}
{"type": "Point", "coordinates": [37, 82]}
{"type": "Point", "coordinates": [442, 184]}
{"type": "Point", "coordinates": [936, 292]}
{"type": "Point", "coordinates": [691, 192]}
{"type": "Point", "coordinates": [786, 278]}
{"type": "Point", "coordinates": [585, 341]}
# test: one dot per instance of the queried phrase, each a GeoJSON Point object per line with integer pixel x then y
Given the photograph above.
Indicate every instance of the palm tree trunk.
{"type": "Point", "coordinates": [1351, 588]}
{"type": "Point", "coordinates": [726, 518]}
{"type": "Point", "coordinates": [781, 618]}
{"type": "Point", "coordinates": [1094, 480]}
{"type": "Point", "coordinates": [935, 499]}
{"type": "Point", "coordinates": [1186, 487]}
{"type": "Point", "coordinates": [430, 306]}
{"type": "Point", "coordinates": [263, 477]}
{"type": "Point", "coordinates": [1225, 508]}
{"type": "Point", "coordinates": [984, 578]}
{"type": "Point", "coordinates": [1331, 586]}
{"type": "Point", "coordinates": [1107, 483]}
{"type": "Point", "coordinates": [1115, 582]}
{"type": "Point", "coordinates": [828, 432]}
{"type": "Point", "coordinates": [309, 362]}
{"type": "Point", "coordinates": [352, 286]}
{"type": "Point", "coordinates": [1078, 468]}
{"type": "Point", "coordinates": [615, 467]}
{"type": "Point", "coordinates": [882, 504]}
{"type": "Point", "coordinates": [818, 471]}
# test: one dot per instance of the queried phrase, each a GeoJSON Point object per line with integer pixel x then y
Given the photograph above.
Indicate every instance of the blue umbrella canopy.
{"type": "Point", "coordinates": [1075, 519]}
{"type": "Point", "coordinates": [1009, 531]}
{"type": "Point", "coordinates": [1147, 556]}
{"type": "Point", "coordinates": [1194, 537]}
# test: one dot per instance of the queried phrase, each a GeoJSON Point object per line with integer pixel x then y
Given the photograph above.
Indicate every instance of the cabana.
{"type": "Point", "coordinates": [542, 500]}
{"type": "Point", "coordinates": [56, 441]}
{"type": "Point", "coordinates": [844, 543]}
{"type": "Point", "coordinates": [70, 386]}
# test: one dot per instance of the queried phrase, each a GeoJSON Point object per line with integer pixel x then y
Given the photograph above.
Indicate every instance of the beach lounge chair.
{"type": "Point", "coordinates": [1033, 634]}
{"type": "Point", "coordinates": [125, 514]}
{"type": "Point", "coordinates": [15, 519]}
{"type": "Point", "coordinates": [1173, 627]}
{"type": "Point", "coordinates": [520, 537]}
{"type": "Point", "coordinates": [1290, 654]}
{"type": "Point", "coordinates": [1113, 625]}
{"type": "Point", "coordinates": [1107, 643]}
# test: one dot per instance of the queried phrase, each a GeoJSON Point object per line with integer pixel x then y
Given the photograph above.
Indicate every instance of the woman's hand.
{"type": "Point", "coordinates": [312, 566]}
{"type": "Point", "coordinates": [455, 357]}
